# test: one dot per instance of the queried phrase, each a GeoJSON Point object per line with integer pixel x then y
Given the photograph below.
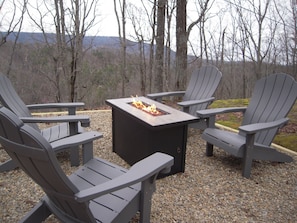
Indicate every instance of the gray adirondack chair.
{"type": "Point", "coordinates": [99, 191]}
{"type": "Point", "coordinates": [69, 124]}
{"type": "Point", "coordinates": [199, 93]}
{"type": "Point", "coordinates": [272, 99]}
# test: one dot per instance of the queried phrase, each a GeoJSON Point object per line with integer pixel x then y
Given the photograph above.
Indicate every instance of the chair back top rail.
{"type": "Point", "coordinates": [272, 99]}
{"type": "Point", "coordinates": [203, 84]}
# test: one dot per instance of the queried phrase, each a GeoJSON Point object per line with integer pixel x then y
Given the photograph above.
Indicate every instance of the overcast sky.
{"type": "Point", "coordinates": [106, 24]}
{"type": "Point", "coordinates": [106, 19]}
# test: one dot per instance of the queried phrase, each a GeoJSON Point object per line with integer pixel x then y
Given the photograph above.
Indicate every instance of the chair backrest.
{"type": "Point", "coordinates": [35, 156]}
{"type": "Point", "coordinates": [272, 99]}
{"type": "Point", "coordinates": [203, 84]}
{"type": "Point", "coordinates": [10, 99]}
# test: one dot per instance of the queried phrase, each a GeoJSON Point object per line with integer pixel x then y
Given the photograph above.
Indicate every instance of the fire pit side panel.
{"type": "Point", "coordinates": [133, 140]}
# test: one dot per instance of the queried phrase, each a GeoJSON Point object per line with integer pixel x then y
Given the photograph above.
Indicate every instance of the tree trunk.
{"type": "Point", "coordinates": [60, 56]}
{"type": "Point", "coordinates": [122, 35]}
{"type": "Point", "coordinates": [160, 45]}
{"type": "Point", "coordinates": [181, 45]}
{"type": "Point", "coordinates": [152, 50]}
{"type": "Point", "coordinates": [167, 73]}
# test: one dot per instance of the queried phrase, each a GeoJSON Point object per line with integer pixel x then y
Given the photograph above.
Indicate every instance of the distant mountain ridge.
{"type": "Point", "coordinates": [111, 42]}
{"type": "Point", "coordinates": [106, 42]}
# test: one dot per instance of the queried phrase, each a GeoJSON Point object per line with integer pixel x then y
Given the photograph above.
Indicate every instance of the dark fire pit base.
{"type": "Point", "coordinates": [134, 139]}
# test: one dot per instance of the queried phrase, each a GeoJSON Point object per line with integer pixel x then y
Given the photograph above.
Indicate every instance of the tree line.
{"type": "Point", "coordinates": [244, 39]}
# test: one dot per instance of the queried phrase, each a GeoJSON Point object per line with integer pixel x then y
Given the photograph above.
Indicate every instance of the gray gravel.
{"type": "Point", "coordinates": [211, 189]}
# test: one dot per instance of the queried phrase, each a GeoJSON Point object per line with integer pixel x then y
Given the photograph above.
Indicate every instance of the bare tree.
{"type": "Point", "coordinates": [84, 14]}
{"type": "Point", "coordinates": [144, 26]}
{"type": "Point", "coordinates": [288, 39]}
{"type": "Point", "coordinates": [136, 16]}
{"type": "Point", "coordinates": [293, 42]}
{"type": "Point", "coordinates": [253, 21]}
{"type": "Point", "coordinates": [182, 37]}
{"type": "Point", "coordinates": [160, 45]}
{"type": "Point", "coordinates": [9, 20]}
{"type": "Point", "coordinates": [121, 19]}
{"type": "Point", "coordinates": [169, 15]}
{"type": "Point", "coordinates": [11, 25]}
{"type": "Point", "coordinates": [153, 23]}
{"type": "Point", "coordinates": [71, 22]}
{"type": "Point", "coordinates": [181, 44]}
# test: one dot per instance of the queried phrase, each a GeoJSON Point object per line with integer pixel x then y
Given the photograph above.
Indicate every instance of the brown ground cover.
{"type": "Point", "coordinates": [210, 190]}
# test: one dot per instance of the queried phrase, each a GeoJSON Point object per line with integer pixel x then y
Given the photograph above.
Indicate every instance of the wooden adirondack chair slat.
{"type": "Point", "coordinates": [10, 99]}
{"type": "Point", "coordinates": [199, 93]}
{"type": "Point", "coordinates": [272, 99]}
{"type": "Point", "coordinates": [99, 191]}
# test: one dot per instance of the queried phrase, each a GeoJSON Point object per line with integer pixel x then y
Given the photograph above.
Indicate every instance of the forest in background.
{"type": "Point", "coordinates": [101, 79]}
{"type": "Point", "coordinates": [244, 39]}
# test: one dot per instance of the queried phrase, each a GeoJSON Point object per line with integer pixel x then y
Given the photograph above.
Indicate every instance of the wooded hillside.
{"type": "Point", "coordinates": [246, 40]}
{"type": "Point", "coordinates": [32, 66]}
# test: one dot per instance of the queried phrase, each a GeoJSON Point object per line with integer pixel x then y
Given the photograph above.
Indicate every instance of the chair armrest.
{"type": "Point", "coordinates": [254, 128]}
{"type": "Point", "coordinates": [84, 119]}
{"type": "Point", "coordinates": [155, 96]}
{"type": "Point", "coordinates": [139, 172]}
{"type": "Point", "coordinates": [195, 102]}
{"type": "Point", "coordinates": [71, 106]}
{"type": "Point", "coordinates": [206, 113]}
{"type": "Point", "coordinates": [76, 140]}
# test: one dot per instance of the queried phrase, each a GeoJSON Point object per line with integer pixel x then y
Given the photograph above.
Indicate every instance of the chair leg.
{"type": "Point", "coordinates": [147, 189]}
{"type": "Point", "coordinates": [7, 166]}
{"type": "Point", "coordinates": [39, 213]}
{"type": "Point", "coordinates": [74, 156]}
{"type": "Point", "coordinates": [210, 123]}
{"type": "Point", "coordinates": [87, 150]}
{"type": "Point", "coordinates": [209, 149]}
{"type": "Point", "coordinates": [248, 155]}
{"type": "Point", "coordinates": [247, 168]}
{"type": "Point", "coordinates": [74, 151]}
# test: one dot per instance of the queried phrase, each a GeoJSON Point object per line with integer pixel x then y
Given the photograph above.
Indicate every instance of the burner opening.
{"type": "Point", "coordinates": [150, 109]}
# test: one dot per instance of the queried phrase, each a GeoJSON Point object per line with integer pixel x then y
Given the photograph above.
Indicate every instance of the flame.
{"type": "Point", "coordinates": [148, 108]}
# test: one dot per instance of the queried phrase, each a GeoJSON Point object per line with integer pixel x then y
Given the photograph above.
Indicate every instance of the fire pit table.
{"type": "Point", "coordinates": [137, 134]}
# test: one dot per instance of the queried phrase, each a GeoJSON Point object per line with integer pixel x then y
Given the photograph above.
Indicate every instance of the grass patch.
{"type": "Point", "coordinates": [287, 136]}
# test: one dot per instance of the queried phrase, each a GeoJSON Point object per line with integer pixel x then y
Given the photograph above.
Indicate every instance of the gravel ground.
{"type": "Point", "coordinates": [211, 189]}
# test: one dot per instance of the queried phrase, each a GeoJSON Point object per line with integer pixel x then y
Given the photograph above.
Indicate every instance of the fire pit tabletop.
{"type": "Point", "coordinates": [172, 116]}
